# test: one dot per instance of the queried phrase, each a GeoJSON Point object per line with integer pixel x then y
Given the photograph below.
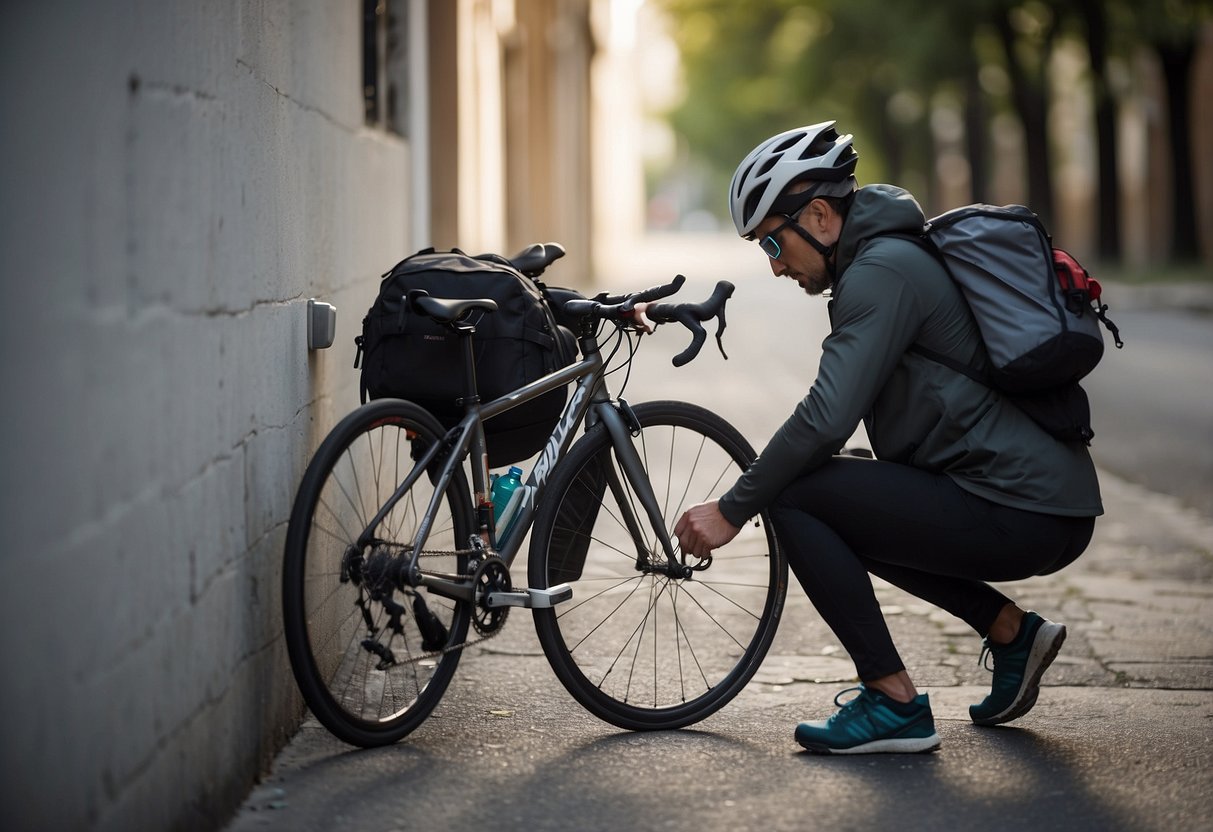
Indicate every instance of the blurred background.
{"type": "Point", "coordinates": [180, 177]}
{"type": "Point", "coordinates": [1086, 110]}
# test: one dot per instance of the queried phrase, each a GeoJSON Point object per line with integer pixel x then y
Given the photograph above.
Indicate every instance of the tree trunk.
{"type": "Point", "coordinates": [890, 138]}
{"type": "Point", "coordinates": [1108, 188]}
{"type": "Point", "coordinates": [1176, 58]}
{"type": "Point", "coordinates": [975, 121]}
{"type": "Point", "coordinates": [1030, 96]}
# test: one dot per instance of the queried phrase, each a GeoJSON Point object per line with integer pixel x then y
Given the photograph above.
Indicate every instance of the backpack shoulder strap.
{"type": "Point", "coordinates": [951, 363]}
{"type": "Point", "coordinates": [923, 241]}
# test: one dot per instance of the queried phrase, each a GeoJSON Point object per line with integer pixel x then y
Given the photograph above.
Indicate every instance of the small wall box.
{"type": "Point", "coordinates": [321, 324]}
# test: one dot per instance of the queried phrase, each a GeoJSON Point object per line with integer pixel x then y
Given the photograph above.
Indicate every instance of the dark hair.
{"type": "Point", "coordinates": [795, 198]}
{"type": "Point", "coordinates": [840, 204]}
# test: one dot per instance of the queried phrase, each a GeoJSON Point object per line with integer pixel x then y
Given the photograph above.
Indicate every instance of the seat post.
{"type": "Point", "coordinates": [471, 394]}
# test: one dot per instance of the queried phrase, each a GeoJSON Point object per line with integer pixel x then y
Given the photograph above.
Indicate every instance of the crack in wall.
{"type": "Point", "coordinates": [257, 76]}
{"type": "Point", "coordinates": [145, 313]}
{"type": "Point", "coordinates": [138, 86]}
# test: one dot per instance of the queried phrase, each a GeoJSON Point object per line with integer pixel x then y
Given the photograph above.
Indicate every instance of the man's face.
{"type": "Point", "coordinates": [797, 259]}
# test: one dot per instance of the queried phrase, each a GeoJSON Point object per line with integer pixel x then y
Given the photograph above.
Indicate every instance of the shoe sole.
{"type": "Point", "coordinates": [900, 745]}
{"type": "Point", "coordinates": [1045, 647]}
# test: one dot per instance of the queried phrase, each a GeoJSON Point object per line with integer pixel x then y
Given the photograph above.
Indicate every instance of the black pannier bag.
{"type": "Point", "coordinates": [571, 533]}
{"type": "Point", "coordinates": [409, 356]}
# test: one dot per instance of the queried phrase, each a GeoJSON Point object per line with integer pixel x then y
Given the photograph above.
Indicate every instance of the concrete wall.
{"type": "Point", "coordinates": [177, 178]}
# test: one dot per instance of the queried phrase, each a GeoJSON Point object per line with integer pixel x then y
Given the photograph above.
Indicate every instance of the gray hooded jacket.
{"type": "Point", "coordinates": [889, 294]}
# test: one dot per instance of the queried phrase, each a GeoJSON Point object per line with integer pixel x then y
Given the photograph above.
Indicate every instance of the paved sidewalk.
{"type": "Point", "coordinates": [1120, 738]}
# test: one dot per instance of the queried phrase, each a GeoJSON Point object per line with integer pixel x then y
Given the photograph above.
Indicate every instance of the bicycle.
{"type": "Point", "coordinates": [390, 557]}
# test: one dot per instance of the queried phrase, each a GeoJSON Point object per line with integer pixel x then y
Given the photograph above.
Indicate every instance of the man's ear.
{"type": "Point", "coordinates": [818, 215]}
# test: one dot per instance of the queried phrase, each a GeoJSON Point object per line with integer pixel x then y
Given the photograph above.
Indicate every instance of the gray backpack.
{"type": "Point", "coordinates": [1038, 311]}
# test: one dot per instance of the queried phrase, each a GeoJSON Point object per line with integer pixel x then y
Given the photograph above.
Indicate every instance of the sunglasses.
{"type": "Point", "coordinates": [770, 245]}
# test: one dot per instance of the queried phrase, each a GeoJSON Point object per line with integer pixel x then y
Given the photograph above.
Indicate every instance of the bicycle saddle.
{"type": "Point", "coordinates": [536, 257]}
{"type": "Point", "coordinates": [448, 310]}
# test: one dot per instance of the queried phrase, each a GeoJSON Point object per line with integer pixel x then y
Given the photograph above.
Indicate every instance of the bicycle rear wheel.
{"type": "Point", "coordinates": [636, 647]}
{"type": "Point", "coordinates": [368, 656]}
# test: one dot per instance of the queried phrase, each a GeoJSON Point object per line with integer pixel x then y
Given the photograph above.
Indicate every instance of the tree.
{"type": "Point", "coordinates": [1026, 33]}
{"type": "Point", "coordinates": [1172, 35]}
{"type": "Point", "coordinates": [1095, 17]}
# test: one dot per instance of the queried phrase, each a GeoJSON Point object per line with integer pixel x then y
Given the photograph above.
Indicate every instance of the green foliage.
{"type": "Point", "coordinates": [756, 68]}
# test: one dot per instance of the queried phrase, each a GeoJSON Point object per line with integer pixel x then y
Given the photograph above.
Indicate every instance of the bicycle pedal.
{"type": "Point", "coordinates": [531, 598]}
{"type": "Point", "coordinates": [544, 598]}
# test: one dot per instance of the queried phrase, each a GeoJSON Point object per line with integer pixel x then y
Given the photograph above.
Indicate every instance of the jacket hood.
{"type": "Point", "coordinates": [877, 209]}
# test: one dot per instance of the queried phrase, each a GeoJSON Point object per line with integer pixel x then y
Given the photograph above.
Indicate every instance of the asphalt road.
{"type": "Point", "coordinates": [1152, 403]}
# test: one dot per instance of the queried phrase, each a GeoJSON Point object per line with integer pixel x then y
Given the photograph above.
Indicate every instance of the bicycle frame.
{"type": "Point", "coordinates": [590, 397]}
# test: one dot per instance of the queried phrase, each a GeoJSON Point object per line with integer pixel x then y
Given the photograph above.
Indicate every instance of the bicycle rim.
{"type": "Point", "coordinates": [368, 656]}
{"type": "Point", "coordinates": [636, 647]}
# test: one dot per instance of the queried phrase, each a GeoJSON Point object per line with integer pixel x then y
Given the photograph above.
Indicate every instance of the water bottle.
{"type": "Point", "coordinates": [500, 493]}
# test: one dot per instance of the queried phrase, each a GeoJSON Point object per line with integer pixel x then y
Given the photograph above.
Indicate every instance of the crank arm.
{"type": "Point", "coordinates": [531, 598]}
{"type": "Point", "coordinates": [456, 590]}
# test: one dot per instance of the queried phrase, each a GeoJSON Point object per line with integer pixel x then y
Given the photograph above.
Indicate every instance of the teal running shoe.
{"type": "Point", "coordinates": [872, 723]}
{"type": "Point", "coordinates": [1017, 669]}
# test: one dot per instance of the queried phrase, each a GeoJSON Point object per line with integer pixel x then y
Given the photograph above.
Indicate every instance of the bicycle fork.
{"type": "Point", "coordinates": [635, 474]}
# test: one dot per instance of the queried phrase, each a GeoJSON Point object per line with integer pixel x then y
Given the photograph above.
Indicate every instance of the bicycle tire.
{"type": "Point", "coordinates": [638, 649]}
{"type": "Point", "coordinates": [330, 638]}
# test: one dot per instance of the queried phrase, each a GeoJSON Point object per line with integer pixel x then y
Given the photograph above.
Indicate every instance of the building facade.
{"type": "Point", "coordinates": [179, 179]}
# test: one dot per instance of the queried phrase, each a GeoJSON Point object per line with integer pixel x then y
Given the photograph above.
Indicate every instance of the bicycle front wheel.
{"type": "Point", "coordinates": [372, 659]}
{"type": "Point", "coordinates": [636, 647]}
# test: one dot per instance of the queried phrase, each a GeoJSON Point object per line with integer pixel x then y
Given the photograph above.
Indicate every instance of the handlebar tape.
{"type": "Point", "coordinates": [690, 315]}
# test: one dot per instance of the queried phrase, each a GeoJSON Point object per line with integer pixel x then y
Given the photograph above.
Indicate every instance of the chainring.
{"type": "Point", "coordinates": [491, 575]}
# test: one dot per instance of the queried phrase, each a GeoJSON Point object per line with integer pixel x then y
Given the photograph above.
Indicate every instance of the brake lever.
{"type": "Point", "coordinates": [720, 325]}
{"type": "Point", "coordinates": [698, 336]}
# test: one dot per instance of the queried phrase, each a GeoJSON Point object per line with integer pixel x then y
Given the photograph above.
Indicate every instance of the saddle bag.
{"type": "Point", "coordinates": [406, 355]}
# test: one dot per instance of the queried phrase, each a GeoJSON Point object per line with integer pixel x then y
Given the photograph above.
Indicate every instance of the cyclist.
{"type": "Point", "coordinates": [965, 488]}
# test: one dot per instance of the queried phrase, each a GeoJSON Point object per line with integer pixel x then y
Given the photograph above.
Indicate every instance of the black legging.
{"type": "Point", "coordinates": [918, 531]}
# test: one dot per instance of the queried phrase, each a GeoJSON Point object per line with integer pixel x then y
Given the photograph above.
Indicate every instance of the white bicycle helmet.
{"type": "Point", "coordinates": [815, 153]}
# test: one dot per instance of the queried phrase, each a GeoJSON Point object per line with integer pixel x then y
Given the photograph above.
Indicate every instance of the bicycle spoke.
{"type": "Point", "coordinates": [714, 619]}
{"type": "Point", "coordinates": [336, 631]}
{"type": "Point", "coordinates": [682, 684]}
{"type": "Point", "coordinates": [565, 609]}
{"type": "Point", "coordinates": [360, 505]}
{"type": "Point", "coordinates": [604, 620]}
{"type": "Point", "coordinates": [344, 541]}
{"type": "Point", "coordinates": [691, 649]}
{"type": "Point", "coordinates": [639, 642]}
{"type": "Point", "coordinates": [624, 648]}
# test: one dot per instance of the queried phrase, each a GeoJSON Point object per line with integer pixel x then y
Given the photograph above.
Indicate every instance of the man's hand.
{"type": "Point", "coordinates": [703, 528]}
{"type": "Point", "coordinates": [642, 320]}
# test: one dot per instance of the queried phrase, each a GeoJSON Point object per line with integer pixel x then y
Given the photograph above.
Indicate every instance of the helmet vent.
{"type": "Point", "coordinates": [786, 143]}
{"type": "Point", "coordinates": [739, 180]}
{"type": "Point", "coordinates": [751, 204]}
